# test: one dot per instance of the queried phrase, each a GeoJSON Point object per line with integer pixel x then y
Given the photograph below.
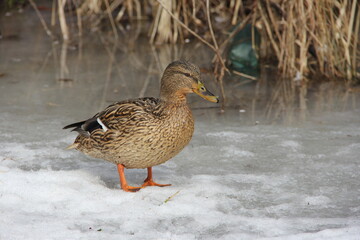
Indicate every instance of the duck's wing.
{"type": "Point", "coordinates": [120, 115]}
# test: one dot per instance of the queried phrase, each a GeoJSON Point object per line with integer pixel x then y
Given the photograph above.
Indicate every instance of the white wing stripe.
{"type": "Point", "coordinates": [104, 128]}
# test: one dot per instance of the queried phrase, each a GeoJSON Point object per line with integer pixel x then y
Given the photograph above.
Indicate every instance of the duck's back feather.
{"type": "Point", "coordinates": [119, 113]}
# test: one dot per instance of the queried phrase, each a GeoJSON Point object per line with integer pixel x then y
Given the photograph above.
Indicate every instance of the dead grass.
{"type": "Point", "coordinates": [304, 37]}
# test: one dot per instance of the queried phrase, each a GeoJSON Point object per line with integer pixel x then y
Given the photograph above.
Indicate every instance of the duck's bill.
{"type": "Point", "coordinates": [207, 95]}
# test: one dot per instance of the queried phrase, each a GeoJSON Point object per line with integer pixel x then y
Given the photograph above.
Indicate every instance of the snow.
{"type": "Point", "coordinates": [231, 182]}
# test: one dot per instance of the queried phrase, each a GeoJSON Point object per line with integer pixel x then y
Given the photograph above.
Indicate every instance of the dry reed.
{"type": "Point", "coordinates": [305, 37]}
{"type": "Point", "coordinates": [302, 31]}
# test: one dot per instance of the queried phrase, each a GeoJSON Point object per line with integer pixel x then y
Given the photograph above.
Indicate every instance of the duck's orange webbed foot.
{"type": "Point", "coordinates": [128, 188]}
{"type": "Point", "coordinates": [123, 183]}
{"type": "Point", "coordinates": [149, 182]}
{"type": "Point", "coordinates": [152, 183]}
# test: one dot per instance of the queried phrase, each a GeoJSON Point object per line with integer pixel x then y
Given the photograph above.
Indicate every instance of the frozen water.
{"type": "Point", "coordinates": [239, 178]}
{"type": "Point", "coordinates": [232, 182]}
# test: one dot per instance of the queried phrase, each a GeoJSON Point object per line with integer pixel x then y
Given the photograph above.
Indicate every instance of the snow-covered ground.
{"type": "Point", "coordinates": [231, 182]}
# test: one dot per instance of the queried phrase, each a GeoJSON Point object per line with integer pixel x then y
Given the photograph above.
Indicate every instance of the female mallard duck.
{"type": "Point", "coordinates": [144, 132]}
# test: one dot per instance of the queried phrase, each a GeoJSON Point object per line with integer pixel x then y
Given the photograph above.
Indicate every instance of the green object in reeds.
{"type": "Point", "coordinates": [242, 55]}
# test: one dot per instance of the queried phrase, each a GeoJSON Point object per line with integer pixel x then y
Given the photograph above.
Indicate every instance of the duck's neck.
{"type": "Point", "coordinates": [176, 107]}
{"type": "Point", "coordinates": [177, 98]}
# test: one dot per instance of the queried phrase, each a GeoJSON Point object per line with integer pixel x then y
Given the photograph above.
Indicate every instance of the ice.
{"type": "Point", "coordinates": [238, 182]}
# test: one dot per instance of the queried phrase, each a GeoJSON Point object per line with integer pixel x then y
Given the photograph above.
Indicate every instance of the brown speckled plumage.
{"type": "Point", "coordinates": [141, 133]}
{"type": "Point", "coordinates": [145, 132]}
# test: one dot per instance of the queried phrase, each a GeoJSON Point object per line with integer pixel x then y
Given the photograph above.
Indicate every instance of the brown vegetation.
{"type": "Point", "coordinates": [304, 37]}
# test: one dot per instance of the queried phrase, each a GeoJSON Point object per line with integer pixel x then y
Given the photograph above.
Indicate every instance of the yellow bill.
{"type": "Point", "coordinates": [200, 90]}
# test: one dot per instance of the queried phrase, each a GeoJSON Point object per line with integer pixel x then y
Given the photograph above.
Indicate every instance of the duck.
{"type": "Point", "coordinates": [144, 132]}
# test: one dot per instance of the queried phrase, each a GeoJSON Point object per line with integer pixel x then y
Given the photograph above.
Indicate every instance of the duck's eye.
{"type": "Point", "coordinates": [187, 74]}
{"type": "Point", "coordinates": [202, 88]}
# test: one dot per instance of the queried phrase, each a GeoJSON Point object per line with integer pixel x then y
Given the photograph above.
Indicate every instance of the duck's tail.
{"type": "Point", "coordinates": [78, 127]}
{"type": "Point", "coordinates": [72, 146]}
{"type": "Point", "coordinates": [74, 125]}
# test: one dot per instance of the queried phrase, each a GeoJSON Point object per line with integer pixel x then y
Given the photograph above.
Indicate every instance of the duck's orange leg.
{"type": "Point", "coordinates": [149, 181]}
{"type": "Point", "coordinates": [123, 182]}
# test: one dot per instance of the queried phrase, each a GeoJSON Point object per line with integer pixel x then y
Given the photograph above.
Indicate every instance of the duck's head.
{"type": "Point", "coordinates": [181, 78]}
